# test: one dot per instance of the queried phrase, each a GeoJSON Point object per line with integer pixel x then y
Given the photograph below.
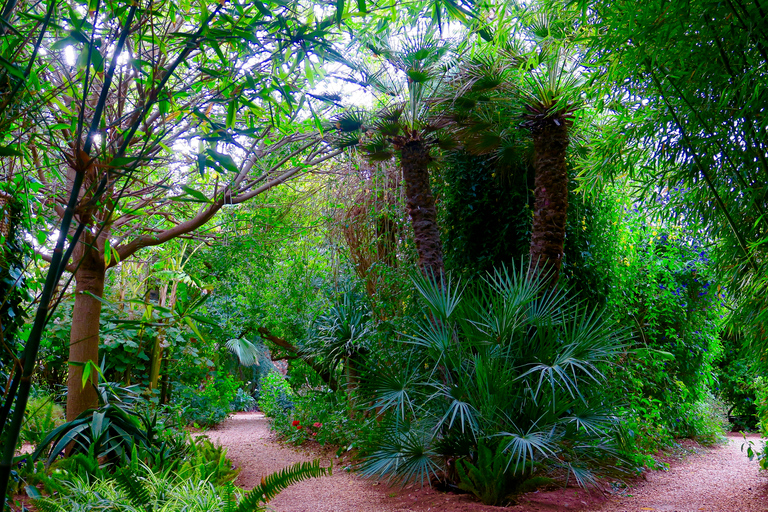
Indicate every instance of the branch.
{"type": "Point", "coordinates": [282, 343]}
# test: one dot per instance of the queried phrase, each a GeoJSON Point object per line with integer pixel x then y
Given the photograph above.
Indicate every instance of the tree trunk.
{"type": "Point", "coordinates": [84, 337]}
{"type": "Point", "coordinates": [551, 200]}
{"type": "Point", "coordinates": [414, 159]}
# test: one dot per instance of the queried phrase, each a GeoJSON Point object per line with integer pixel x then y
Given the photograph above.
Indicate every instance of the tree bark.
{"type": "Point", "coordinates": [551, 199]}
{"type": "Point", "coordinates": [414, 159]}
{"type": "Point", "coordinates": [84, 336]}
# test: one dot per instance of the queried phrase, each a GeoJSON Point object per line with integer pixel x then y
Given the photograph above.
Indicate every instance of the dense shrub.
{"type": "Point", "coordinates": [275, 395]}
{"type": "Point", "coordinates": [42, 415]}
{"type": "Point", "coordinates": [325, 417]}
{"type": "Point", "coordinates": [208, 404]}
{"type": "Point", "coordinates": [507, 371]}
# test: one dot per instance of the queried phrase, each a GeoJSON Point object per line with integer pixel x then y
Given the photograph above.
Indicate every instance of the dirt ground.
{"type": "Point", "coordinates": [712, 479]}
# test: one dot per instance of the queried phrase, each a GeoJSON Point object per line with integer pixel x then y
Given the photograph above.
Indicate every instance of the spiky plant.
{"type": "Point", "coordinates": [510, 365]}
{"type": "Point", "coordinates": [406, 127]}
{"type": "Point", "coordinates": [139, 489]}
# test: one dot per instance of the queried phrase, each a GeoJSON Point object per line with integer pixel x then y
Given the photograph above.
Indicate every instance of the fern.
{"type": "Point", "coordinates": [48, 505]}
{"type": "Point", "coordinates": [273, 484]}
{"type": "Point", "coordinates": [138, 494]}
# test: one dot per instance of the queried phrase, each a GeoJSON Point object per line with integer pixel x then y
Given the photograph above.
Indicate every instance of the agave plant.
{"type": "Point", "coordinates": [508, 370]}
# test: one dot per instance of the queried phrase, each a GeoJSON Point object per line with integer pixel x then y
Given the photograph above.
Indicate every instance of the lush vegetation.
{"type": "Point", "coordinates": [486, 246]}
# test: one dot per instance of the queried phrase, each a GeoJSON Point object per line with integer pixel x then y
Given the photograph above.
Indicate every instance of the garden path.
{"type": "Point", "coordinates": [719, 479]}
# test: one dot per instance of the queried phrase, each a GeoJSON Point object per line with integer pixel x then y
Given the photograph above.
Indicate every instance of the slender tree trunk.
{"type": "Point", "coordinates": [551, 199]}
{"type": "Point", "coordinates": [84, 337]}
{"type": "Point", "coordinates": [414, 159]}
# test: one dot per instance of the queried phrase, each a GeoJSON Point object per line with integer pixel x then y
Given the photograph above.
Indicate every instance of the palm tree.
{"type": "Point", "coordinates": [405, 127]}
{"type": "Point", "coordinates": [506, 83]}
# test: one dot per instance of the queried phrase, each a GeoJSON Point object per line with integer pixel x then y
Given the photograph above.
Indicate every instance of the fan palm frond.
{"type": "Point", "coordinates": [245, 351]}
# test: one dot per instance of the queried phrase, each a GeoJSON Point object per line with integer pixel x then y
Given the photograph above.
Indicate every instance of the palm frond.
{"type": "Point", "coordinates": [245, 351]}
{"type": "Point", "coordinates": [442, 297]}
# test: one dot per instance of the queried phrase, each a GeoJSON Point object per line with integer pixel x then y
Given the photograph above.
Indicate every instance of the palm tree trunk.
{"type": "Point", "coordinates": [414, 159]}
{"type": "Point", "coordinates": [551, 199]}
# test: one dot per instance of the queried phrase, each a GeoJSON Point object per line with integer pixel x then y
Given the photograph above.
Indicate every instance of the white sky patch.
{"type": "Point", "coordinates": [70, 57]}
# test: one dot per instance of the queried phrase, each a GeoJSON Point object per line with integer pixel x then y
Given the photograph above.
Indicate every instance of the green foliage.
{"type": "Point", "coordinates": [242, 401]}
{"type": "Point", "coordinates": [138, 488]}
{"type": "Point", "coordinates": [206, 462]}
{"type": "Point", "coordinates": [664, 287]}
{"type": "Point", "coordinates": [484, 212]}
{"type": "Point", "coordinates": [325, 417]}
{"type": "Point", "coordinates": [43, 414]}
{"type": "Point", "coordinates": [761, 402]}
{"type": "Point", "coordinates": [275, 395]}
{"type": "Point", "coordinates": [506, 362]}
{"type": "Point", "coordinates": [109, 432]}
{"type": "Point", "coordinates": [737, 376]}
{"type": "Point", "coordinates": [487, 478]}
{"type": "Point", "coordinates": [208, 403]}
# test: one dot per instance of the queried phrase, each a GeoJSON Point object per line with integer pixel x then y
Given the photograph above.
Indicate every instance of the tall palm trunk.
{"type": "Point", "coordinates": [84, 336]}
{"type": "Point", "coordinates": [550, 142]}
{"type": "Point", "coordinates": [414, 159]}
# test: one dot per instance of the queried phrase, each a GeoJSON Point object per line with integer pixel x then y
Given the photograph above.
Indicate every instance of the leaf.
{"type": "Point", "coordinates": [8, 151]}
{"type": "Point", "coordinates": [263, 10]}
{"type": "Point", "coordinates": [339, 11]}
{"type": "Point", "coordinates": [225, 161]}
{"type": "Point", "coordinates": [231, 111]}
{"type": "Point", "coordinates": [195, 193]}
{"type": "Point", "coordinates": [63, 43]}
{"type": "Point", "coordinates": [361, 6]}
{"type": "Point", "coordinates": [11, 68]}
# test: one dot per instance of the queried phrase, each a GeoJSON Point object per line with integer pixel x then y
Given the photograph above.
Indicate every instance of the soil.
{"type": "Point", "coordinates": [698, 479]}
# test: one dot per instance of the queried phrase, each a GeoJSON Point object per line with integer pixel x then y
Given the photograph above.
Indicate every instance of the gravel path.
{"type": "Point", "coordinates": [719, 479]}
{"type": "Point", "coordinates": [715, 479]}
{"type": "Point", "coordinates": [253, 448]}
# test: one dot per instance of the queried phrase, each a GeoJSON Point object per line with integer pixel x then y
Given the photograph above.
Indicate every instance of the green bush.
{"type": "Point", "coordinates": [208, 405]}
{"type": "Point", "coordinates": [325, 417]}
{"type": "Point", "coordinates": [508, 364]}
{"type": "Point", "coordinates": [761, 402]}
{"type": "Point", "coordinates": [42, 415]}
{"type": "Point", "coordinates": [275, 395]}
{"type": "Point", "coordinates": [137, 488]}
{"type": "Point", "coordinates": [242, 401]}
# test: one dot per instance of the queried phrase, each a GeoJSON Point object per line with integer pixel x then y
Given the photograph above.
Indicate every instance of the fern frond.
{"type": "Point", "coordinates": [48, 505]}
{"type": "Point", "coordinates": [229, 498]}
{"type": "Point", "coordinates": [275, 483]}
{"type": "Point", "coordinates": [138, 494]}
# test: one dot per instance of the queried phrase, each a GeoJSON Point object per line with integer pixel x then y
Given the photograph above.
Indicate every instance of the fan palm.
{"type": "Point", "coordinates": [507, 87]}
{"type": "Point", "coordinates": [511, 366]}
{"type": "Point", "coordinates": [405, 127]}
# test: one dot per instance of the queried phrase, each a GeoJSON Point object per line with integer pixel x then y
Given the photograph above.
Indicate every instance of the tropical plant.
{"type": "Point", "coordinates": [137, 488]}
{"type": "Point", "coordinates": [341, 337]}
{"type": "Point", "coordinates": [405, 127]}
{"type": "Point", "coordinates": [526, 79]}
{"type": "Point", "coordinates": [509, 364]}
{"type": "Point", "coordinates": [678, 104]}
{"type": "Point", "coordinates": [274, 394]}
